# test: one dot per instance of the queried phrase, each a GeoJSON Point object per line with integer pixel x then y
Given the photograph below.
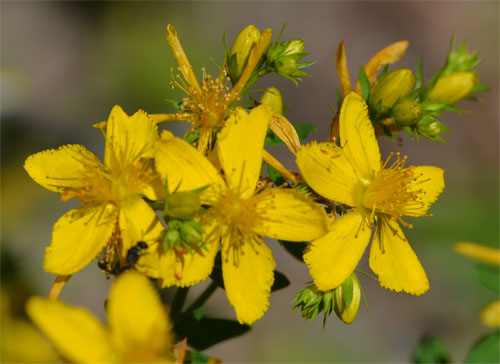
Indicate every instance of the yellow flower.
{"type": "Point", "coordinates": [113, 214]}
{"type": "Point", "coordinates": [207, 105]}
{"type": "Point", "coordinates": [354, 175]}
{"type": "Point", "coordinates": [490, 315]}
{"type": "Point", "coordinates": [239, 214]}
{"type": "Point", "coordinates": [138, 328]}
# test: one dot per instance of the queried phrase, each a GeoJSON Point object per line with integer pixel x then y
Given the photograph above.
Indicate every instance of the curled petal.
{"type": "Point", "coordinates": [342, 70]}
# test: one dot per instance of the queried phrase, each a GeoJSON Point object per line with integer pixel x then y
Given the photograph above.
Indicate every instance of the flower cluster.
{"type": "Point", "coordinates": [181, 210]}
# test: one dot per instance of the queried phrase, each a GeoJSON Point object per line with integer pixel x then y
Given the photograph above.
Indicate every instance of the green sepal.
{"type": "Point", "coordinates": [364, 83]}
{"type": "Point", "coordinates": [347, 288]}
{"type": "Point", "coordinates": [486, 349]}
{"type": "Point", "coordinates": [178, 105]}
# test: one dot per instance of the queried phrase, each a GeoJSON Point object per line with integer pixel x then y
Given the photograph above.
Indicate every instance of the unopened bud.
{"type": "Point", "coordinates": [396, 85]}
{"type": "Point", "coordinates": [242, 46]}
{"type": "Point", "coordinates": [183, 205]}
{"type": "Point", "coordinates": [407, 111]}
{"type": "Point", "coordinates": [190, 234]}
{"type": "Point", "coordinates": [296, 46]}
{"type": "Point", "coordinates": [431, 128]}
{"type": "Point", "coordinates": [453, 87]}
{"type": "Point", "coordinates": [286, 65]}
{"type": "Point", "coordinates": [272, 98]}
{"type": "Point", "coordinates": [347, 311]}
{"type": "Point", "coordinates": [309, 300]}
{"type": "Point", "coordinates": [172, 239]}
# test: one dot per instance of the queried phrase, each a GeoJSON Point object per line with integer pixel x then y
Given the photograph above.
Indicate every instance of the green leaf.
{"type": "Point", "coordinates": [275, 175]}
{"type": "Point", "coordinates": [207, 332]}
{"type": "Point", "coordinates": [272, 139]}
{"type": "Point", "coordinates": [294, 248]}
{"type": "Point", "coordinates": [486, 349]}
{"type": "Point", "coordinates": [303, 130]}
{"type": "Point", "coordinates": [431, 350]}
{"type": "Point", "coordinates": [280, 281]}
{"type": "Point", "coordinates": [488, 276]}
{"type": "Point", "coordinates": [364, 83]}
{"type": "Point", "coordinates": [195, 357]}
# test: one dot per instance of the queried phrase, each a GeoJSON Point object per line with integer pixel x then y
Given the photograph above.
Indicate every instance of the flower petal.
{"type": "Point", "coordinates": [429, 181]}
{"type": "Point", "coordinates": [188, 269]}
{"type": "Point", "coordinates": [184, 166]}
{"type": "Point", "coordinates": [60, 169]}
{"type": "Point", "coordinates": [128, 138]}
{"type": "Point", "coordinates": [284, 129]}
{"type": "Point", "coordinates": [481, 253]}
{"type": "Point", "coordinates": [332, 258]}
{"type": "Point", "coordinates": [77, 334]}
{"type": "Point", "coordinates": [137, 317]}
{"type": "Point", "coordinates": [394, 261]}
{"type": "Point", "coordinates": [78, 236]}
{"type": "Point", "coordinates": [247, 269]}
{"type": "Point", "coordinates": [240, 145]}
{"type": "Point", "coordinates": [327, 170]}
{"type": "Point", "coordinates": [289, 215]}
{"type": "Point", "coordinates": [342, 70]}
{"type": "Point", "coordinates": [138, 222]}
{"type": "Point", "coordinates": [357, 137]}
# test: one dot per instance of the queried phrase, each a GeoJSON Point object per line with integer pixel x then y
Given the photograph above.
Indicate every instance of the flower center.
{"type": "Point", "coordinates": [237, 212]}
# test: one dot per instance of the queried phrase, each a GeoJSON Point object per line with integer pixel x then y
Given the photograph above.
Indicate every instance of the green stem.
{"type": "Point", "coordinates": [197, 303]}
{"type": "Point", "coordinates": [178, 301]}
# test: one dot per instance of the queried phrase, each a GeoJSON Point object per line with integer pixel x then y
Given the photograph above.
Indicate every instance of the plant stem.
{"type": "Point", "coordinates": [197, 303]}
{"type": "Point", "coordinates": [178, 301]}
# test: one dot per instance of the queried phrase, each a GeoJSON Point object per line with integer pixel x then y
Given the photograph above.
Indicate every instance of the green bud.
{"type": "Point", "coordinates": [406, 111]}
{"type": "Point", "coordinates": [190, 234]}
{"type": "Point", "coordinates": [396, 85]}
{"type": "Point", "coordinates": [453, 87]}
{"type": "Point", "coordinates": [272, 98]}
{"type": "Point", "coordinates": [430, 129]}
{"type": "Point", "coordinates": [347, 311]}
{"type": "Point", "coordinates": [296, 46]}
{"type": "Point", "coordinates": [172, 239]}
{"type": "Point", "coordinates": [183, 205]}
{"type": "Point", "coordinates": [286, 65]}
{"type": "Point", "coordinates": [243, 45]}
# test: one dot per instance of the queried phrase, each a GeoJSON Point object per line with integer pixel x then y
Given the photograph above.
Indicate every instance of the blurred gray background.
{"type": "Point", "coordinates": [65, 64]}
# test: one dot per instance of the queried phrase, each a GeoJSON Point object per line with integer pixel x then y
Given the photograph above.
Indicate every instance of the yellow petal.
{"type": "Point", "coordinates": [136, 316]}
{"type": "Point", "coordinates": [429, 182]}
{"type": "Point", "coordinates": [138, 222]}
{"type": "Point", "coordinates": [357, 137]}
{"type": "Point", "coordinates": [276, 164]}
{"type": "Point", "coordinates": [188, 269]}
{"type": "Point", "coordinates": [388, 55]}
{"type": "Point", "coordinates": [327, 170]}
{"type": "Point", "coordinates": [78, 237]}
{"type": "Point", "coordinates": [289, 215]}
{"type": "Point", "coordinates": [128, 138]}
{"type": "Point", "coordinates": [60, 169]}
{"type": "Point", "coordinates": [76, 333]}
{"type": "Point", "coordinates": [240, 145]}
{"type": "Point", "coordinates": [342, 70]}
{"type": "Point", "coordinates": [478, 252]}
{"type": "Point", "coordinates": [181, 58]}
{"type": "Point", "coordinates": [490, 315]}
{"type": "Point", "coordinates": [184, 166]}
{"type": "Point", "coordinates": [284, 129]}
{"type": "Point", "coordinates": [247, 269]}
{"type": "Point", "coordinates": [332, 258]}
{"type": "Point", "coordinates": [394, 261]}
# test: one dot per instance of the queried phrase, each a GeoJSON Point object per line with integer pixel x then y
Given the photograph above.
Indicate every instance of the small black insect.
{"type": "Point", "coordinates": [134, 253]}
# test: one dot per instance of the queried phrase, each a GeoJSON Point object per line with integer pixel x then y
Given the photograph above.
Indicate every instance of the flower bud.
{"type": "Point", "coordinates": [406, 111]}
{"type": "Point", "coordinates": [190, 234]}
{"type": "Point", "coordinates": [296, 46]}
{"type": "Point", "coordinates": [453, 87]}
{"type": "Point", "coordinates": [242, 46]}
{"type": "Point", "coordinates": [429, 128]}
{"type": "Point", "coordinates": [286, 65]}
{"type": "Point", "coordinates": [350, 287]}
{"type": "Point", "coordinates": [172, 239]}
{"type": "Point", "coordinates": [272, 98]}
{"type": "Point", "coordinates": [183, 205]}
{"type": "Point", "coordinates": [309, 300]}
{"type": "Point", "coordinates": [396, 85]}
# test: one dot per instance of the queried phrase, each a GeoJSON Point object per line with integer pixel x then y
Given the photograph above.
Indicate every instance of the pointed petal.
{"type": "Point", "coordinates": [63, 168]}
{"type": "Point", "coordinates": [138, 222]}
{"type": "Point", "coordinates": [276, 164]}
{"type": "Point", "coordinates": [284, 129]}
{"type": "Point", "coordinates": [332, 258]}
{"type": "Point", "coordinates": [240, 145]}
{"type": "Point", "coordinates": [189, 269]}
{"type": "Point", "coordinates": [394, 261]}
{"type": "Point", "coordinates": [481, 253]}
{"type": "Point", "coordinates": [247, 269]}
{"type": "Point", "coordinates": [357, 137]}
{"type": "Point", "coordinates": [289, 215]}
{"type": "Point", "coordinates": [327, 170]}
{"type": "Point", "coordinates": [388, 55]}
{"type": "Point", "coordinates": [76, 333]}
{"type": "Point", "coordinates": [342, 70]}
{"type": "Point", "coordinates": [184, 166]}
{"type": "Point", "coordinates": [428, 182]}
{"type": "Point", "coordinates": [136, 315]}
{"type": "Point", "coordinates": [78, 237]}
{"type": "Point", "coordinates": [128, 138]}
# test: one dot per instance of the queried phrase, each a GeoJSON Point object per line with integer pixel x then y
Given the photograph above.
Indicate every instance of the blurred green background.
{"type": "Point", "coordinates": [65, 64]}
